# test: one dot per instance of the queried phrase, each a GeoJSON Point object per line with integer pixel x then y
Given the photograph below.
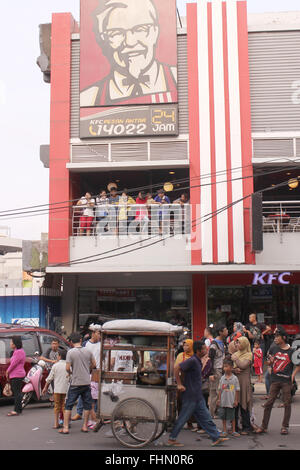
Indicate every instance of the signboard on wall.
{"type": "Point", "coordinates": [269, 278]}
{"type": "Point", "coordinates": [128, 68]}
{"type": "Point", "coordinates": [125, 122]}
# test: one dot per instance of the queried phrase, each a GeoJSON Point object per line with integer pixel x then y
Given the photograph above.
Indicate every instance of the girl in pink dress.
{"type": "Point", "coordinates": [258, 361]}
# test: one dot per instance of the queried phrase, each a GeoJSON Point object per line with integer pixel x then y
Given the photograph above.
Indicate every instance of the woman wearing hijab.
{"type": "Point", "coordinates": [187, 353]}
{"type": "Point", "coordinates": [242, 368]}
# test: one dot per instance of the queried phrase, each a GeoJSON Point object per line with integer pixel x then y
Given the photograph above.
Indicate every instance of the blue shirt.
{"type": "Point", "coordinates": [221, 344]}
{"type": "Point", "coordinates": [192, 369]}
{"type": "Point", "coordinates": [159, 199]}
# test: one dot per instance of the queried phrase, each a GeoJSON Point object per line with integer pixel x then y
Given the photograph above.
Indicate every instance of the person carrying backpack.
{"type": "Point", "coordinates": [217, 355]}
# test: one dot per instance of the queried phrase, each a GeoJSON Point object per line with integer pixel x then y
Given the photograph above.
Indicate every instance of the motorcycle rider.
{"type": "Point", "coordinates": [51, 356]}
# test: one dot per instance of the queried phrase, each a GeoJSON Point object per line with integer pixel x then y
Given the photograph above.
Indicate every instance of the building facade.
{"type": "Point", "coordinates": [23, 296]}
{"type": "Point", "coordinates": [220, 123]}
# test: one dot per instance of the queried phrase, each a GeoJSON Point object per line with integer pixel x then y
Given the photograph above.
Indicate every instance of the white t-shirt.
{"type": "Point", "coordinates": [87, 211]}
{"type": "Point", "coordinates": [123, 361]}
{"type": "Point", "coordinates": [95, 349]}
{"type": "Point", "coordinates": [58, 373]}
{"type": "Point", "coordinates": [101, 209]}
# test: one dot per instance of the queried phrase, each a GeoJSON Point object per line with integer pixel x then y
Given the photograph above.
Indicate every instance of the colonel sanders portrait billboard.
{"type": "Point", "coordinates": [128, 52]}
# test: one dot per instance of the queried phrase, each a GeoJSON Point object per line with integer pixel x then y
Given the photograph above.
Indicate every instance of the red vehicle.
{"type": "Point", "coordinates": [34, 339]}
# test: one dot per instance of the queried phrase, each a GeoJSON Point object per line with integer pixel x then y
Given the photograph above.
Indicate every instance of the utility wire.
{"type": "Point", "coordinates": [194, 222]}
{"type": "Point", "coordinates": [45, 211]}
{"type": "Point", "coordinates": [159, 185]}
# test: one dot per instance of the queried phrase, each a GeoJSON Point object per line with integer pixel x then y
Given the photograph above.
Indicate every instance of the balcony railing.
{"type": "Point", "coordinates": [281, 216]}
{"type": "Point", "coordinates": [131, 220]}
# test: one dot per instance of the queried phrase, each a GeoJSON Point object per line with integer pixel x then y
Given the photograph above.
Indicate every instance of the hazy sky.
{"type": "Point", "coordinates": [24, 104]}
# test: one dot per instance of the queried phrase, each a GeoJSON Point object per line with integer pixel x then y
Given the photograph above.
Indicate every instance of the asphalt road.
{"type": "Point", "coordinates": [33, 431]}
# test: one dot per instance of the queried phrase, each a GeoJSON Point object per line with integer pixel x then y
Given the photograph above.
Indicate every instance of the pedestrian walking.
{"type": "Point", "coordinates": [228, 399]}
{"type": "Point", "coordinates": [15, 373]}
{"type": "Point", "coordinates": [183, 356]}
{"type": "Point", "coordinates": [282, 377]}
{"type": "Point", "coordinates": [193, 403]}
{"type": "Point", "coordinates": [79, 364]}
{"type": "Point", "coordinates": [59, 375]}
{"type": "Point", "coordinates": [242, 359]}
{"type": "Point", "coordinates": [206, 372]}
{"type": "Point", "coordinates": [217, 356]}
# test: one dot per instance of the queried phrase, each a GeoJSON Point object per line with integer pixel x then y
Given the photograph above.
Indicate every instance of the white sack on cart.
{"type": "Point", "coordinates": [141, 325]}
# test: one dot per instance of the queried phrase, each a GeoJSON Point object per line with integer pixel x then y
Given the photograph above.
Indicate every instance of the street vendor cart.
{"type": "Point", "coordinates": [137, 389]}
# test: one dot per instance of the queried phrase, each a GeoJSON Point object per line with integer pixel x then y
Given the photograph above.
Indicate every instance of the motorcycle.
{"type": "Point", "coordinates": [33, 381]}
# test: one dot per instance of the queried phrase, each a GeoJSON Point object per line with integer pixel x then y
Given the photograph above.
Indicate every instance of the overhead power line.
{"type": "Point", "coordinates": [195, 222]}
{"type": "Point", "coordinates": [45, 211]}
{"type": "Point", "coordinates": [51, 206]}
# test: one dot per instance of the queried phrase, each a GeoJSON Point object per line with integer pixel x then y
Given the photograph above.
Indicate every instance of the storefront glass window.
{"type": "Point", "coordinates": [272, 304]}
{"type": "Point", "coordinates": [170, 304]}
{"type": "Point", "coordinates": [225, 305]}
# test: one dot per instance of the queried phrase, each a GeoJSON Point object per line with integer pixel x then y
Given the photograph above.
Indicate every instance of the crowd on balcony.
{"type": "Point", "coordinates": [117, 209]}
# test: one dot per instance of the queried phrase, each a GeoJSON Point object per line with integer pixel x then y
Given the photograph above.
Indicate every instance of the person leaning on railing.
{"type": "Point", "coordinates": [141, 214]}
{"type": "Point", "coordinates": [87, 217]}
{"type": "Point", "coordinates": [183, 199]}
{"type": "Point", "coordinates": [113, 200]}
{"type": "Point", "coordinates": [125, 203]}
{"type": "Point", "coordinates": [102, 202]}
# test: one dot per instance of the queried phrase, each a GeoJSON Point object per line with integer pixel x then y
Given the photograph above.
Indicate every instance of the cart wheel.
{"type": "Point", "coordinates": [161, 428]}
{"type": "Point", "coordinates": [134, 423]}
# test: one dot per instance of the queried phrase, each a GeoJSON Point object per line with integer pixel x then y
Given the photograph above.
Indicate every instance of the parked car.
{"type": "Point", "coordinates": [34, 339]}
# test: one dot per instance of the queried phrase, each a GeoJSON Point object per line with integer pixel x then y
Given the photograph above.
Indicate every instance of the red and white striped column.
{"type": "Point", "coordinates": [220, 130]}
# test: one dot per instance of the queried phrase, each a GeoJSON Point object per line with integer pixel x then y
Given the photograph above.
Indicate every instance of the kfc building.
{"type": "Point", "coordinates": [205, 106]}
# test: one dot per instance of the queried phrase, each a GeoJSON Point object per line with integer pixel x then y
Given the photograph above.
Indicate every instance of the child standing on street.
{"type": "Point", "coordinates": [228, 399]}
{"type": "Point", "coordinates": [258, 360]}
{"type": "Point", "coordinates": [59, 374]}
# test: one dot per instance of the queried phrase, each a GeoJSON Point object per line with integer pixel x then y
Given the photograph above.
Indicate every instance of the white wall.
{"type": "Point", "coordinates": [168, 253]}
{"type": "Point", "coordinates": [280, 249]}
